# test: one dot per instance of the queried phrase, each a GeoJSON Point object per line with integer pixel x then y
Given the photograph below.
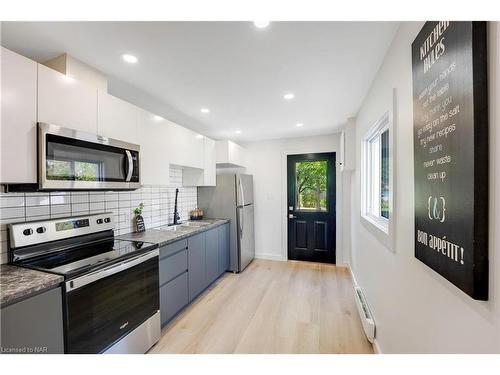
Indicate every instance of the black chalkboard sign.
{"type": "Point", "coordinates": [450, 123]}
{"type": "Point", "coordinates": [139, 223]}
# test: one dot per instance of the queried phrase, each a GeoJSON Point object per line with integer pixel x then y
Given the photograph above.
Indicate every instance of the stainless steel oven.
{"type": "Point", "coordinates": [73, 160]}
{"type": "Point", "coordinates": [111, 286]}
{"type": "Point", "coordinates": [108, 304]}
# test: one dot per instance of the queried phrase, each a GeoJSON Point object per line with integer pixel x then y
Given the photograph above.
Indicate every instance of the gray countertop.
{"type": "Point", "coordinates": [17, 283]}
{"type": "Point", "coordinates": [162, 236]}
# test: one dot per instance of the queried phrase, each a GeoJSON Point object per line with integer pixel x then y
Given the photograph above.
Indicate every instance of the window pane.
{"type": "Point", "coordinates": [59, 170]}
{"type": "Point", "coordinates": [311, 194]}
{"type": "Point", "coordinates": [85, 171]}
{"type": "Point", "coordinates": [384, 175]}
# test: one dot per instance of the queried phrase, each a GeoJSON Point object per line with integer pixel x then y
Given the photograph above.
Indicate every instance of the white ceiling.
{"type": "Point", "coordinates": [238, 71]}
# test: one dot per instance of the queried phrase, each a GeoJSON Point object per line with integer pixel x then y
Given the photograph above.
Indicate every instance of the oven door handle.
{"type": "Point", "coordinates": [108, 271]}
{"type": "Point", "coordinates": [130, 166]}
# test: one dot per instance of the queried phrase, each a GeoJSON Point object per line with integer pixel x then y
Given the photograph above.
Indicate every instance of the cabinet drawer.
{"type": "Point", "coordinates": [173, 297]}
{"type": "Point", "coordinates": [172, 266]}
{"type": "Point", "coordinates": [172, 248]}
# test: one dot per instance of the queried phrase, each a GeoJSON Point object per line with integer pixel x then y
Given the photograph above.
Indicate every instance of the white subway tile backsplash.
{"type": "Point", "coordinates": [39, 200]}
{"type": "Point", "coordinates": [15, 201]}
{"type": "Point", "coordinates": [38, 211]}
{"type": "Point", "coordinates": [79, 198]}
{"type": "Point", "coordinates": [80, 208]}
{"type": "Point", "coordinates": [60, 199]}
{"type": "Point", "coordinates": [96, 197]}
{"type": "Point", "coordinates": [12, 212]}
{"type": "Point", "coordinates": [158, 206]}
{"type": "Point", "coordinates": [110, 205]}
{"type": "Point", "coordinates": [97, 206]}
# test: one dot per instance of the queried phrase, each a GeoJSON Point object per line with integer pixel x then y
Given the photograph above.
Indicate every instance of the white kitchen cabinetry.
{"type": "Point", "coordinates": [18, 131]}
{"type": "Point", "coordinates": [207, 175]}
{"type": "Point", "coordinates": [210, 165]}
{"type": "Point", "coordinates": [153, 136]}
{"type": "Point", "coordinates": [116, 118]}
{"type": "Point", "coordinates": [186, 147]}
{"type": "Point", "coordinates": [64, 101]}
{"type": "Point", "coordinates": [229, 155]}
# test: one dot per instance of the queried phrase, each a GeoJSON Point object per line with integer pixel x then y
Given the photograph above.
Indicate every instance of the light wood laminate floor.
{"type": "Point", "coordinates": [272, 307]}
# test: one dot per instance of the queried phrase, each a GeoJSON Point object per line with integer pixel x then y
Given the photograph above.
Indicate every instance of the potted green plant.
{"type": "Point", "coordinates": [139, 220]}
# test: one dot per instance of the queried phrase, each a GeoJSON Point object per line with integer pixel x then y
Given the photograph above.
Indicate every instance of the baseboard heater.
{"type": "Point", "coordinates": [365, 314]}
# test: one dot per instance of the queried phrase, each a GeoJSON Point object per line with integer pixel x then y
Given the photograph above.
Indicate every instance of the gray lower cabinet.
{"type": "Point", "coordinates": [223, 232]}
{"type": "Point", "coordinates": [173, 297]}
{"type": "Point", "coordinates": [34, 325]}
{"type": "Point", "coordinates": [197, 265]}
{"type": "Point", "coordinates": [212, 255]}
{"type": "Point", "coordinates": [205, 256]}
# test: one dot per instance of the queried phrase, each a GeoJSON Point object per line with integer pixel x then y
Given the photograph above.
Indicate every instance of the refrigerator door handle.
{"type": "Point", "coordinates": [241, 217]}
{"type": "Point", "coordinates": [242, 196]}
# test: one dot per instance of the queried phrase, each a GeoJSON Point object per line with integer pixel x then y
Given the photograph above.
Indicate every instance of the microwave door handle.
{"type": "Point", "coordinates": [130, 166]}
{"type": "Point", "coordinates": [108, 271]}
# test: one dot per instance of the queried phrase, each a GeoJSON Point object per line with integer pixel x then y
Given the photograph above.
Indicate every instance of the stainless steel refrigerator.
{"type": "Point", "coordinates": [232, 199]}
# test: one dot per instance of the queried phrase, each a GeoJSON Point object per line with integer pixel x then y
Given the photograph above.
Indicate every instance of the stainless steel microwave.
{"type": "Point", "coordinates": [74, 160]}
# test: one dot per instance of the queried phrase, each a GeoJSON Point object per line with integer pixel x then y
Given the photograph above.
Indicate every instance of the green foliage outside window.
{"type": "Point", "coordinates": [311, 185]}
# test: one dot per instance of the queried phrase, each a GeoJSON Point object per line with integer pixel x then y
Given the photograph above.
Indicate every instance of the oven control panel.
{"type": "Point", "coordinates": [35, 232]}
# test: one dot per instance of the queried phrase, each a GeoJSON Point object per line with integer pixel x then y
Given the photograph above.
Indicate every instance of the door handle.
{"type": "Point", "coordinates": [292, 216]}
{"type": "Point", "coordinates": [130, 165]}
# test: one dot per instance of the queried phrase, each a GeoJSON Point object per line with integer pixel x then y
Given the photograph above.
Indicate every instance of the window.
{"type": "Point", "coordinates": [376, 205]}
{"type": "Point", "coordinates": [310, 192]}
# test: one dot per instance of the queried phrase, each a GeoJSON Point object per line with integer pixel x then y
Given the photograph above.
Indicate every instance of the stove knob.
{"type": "Point", "coordinates": [99, 221]}
{"type": "Point", "coordinates": [41, 230]}
{"type": "Point", "coordinates": [107, 220]}
{"type": "Point", "coordinates": [28, 232]}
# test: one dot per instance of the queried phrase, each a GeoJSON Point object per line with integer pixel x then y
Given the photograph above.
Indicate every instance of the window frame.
{"type": "Point", "coordinates": [381, 227]}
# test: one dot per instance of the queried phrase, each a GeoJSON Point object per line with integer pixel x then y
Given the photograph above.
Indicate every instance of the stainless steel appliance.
{"type": "Point", "coordinates": [232, 198]}
{"type": "Point", "coordinates": [110, 289]}
{"type": "Point", "coordinates": [73, 160]}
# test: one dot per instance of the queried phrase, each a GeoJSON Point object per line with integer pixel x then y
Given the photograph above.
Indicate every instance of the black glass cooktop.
{"type": "Point", "coordinates": [84, 258]}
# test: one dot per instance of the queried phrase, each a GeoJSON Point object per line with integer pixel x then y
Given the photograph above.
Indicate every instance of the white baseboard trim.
{"type": "Point", "coordinates": [269, 256]}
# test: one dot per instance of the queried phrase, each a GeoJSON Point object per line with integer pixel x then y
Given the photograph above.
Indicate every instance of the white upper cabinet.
{"type": "Point", "coordinates": [153, 136]}
{"type": "Point", "coordinates": [186, 148]}
{"type": "Point", "coordinates": [210, 166]}
{"type": "Point", "coordinates": [116, 118]}
{"type": "Point", "coordinates": [229, 154]}
{"type": "Point", "coordinates": [64, 101]}
{"type": "Point", "coordinates": [207, 175]}
{"type": "Point", "coordinates": [18, 137]}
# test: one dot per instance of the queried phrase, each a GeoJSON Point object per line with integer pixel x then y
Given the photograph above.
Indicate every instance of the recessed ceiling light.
{"type": "Point", "coordinates": [289, 96]}
{"type": "Point", "coordinates": [205, 110]}
{"type": "Point", "coordinates": [238, 131]}
{"type": "Point", "coordinates": [131, 59]}
{"type": "Point", "coordinates": [299, 125]}
{"type": "Point", "coordinates": [157, 118]}
{"type": "Point", "coordinates": [261, 24]}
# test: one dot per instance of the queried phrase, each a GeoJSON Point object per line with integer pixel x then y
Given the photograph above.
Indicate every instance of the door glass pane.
{"type": "Point", "coordinates": [384, 175]}
{"type": "Point", "coordinates": [311, 183]}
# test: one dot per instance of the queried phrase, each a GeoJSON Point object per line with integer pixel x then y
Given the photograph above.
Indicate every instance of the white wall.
{"type": "Point", "coordinates": [266, 160]}
{"type": "Point", "coordinates": [415, 309]}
